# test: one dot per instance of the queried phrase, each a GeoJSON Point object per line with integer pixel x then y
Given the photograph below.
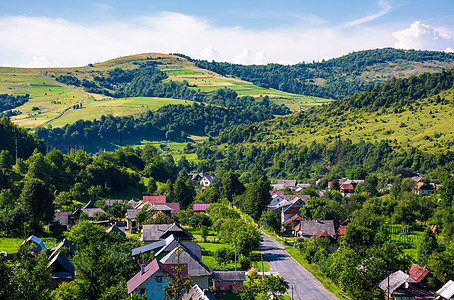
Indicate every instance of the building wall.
{"type": "Point", "coordinates": [234, 286]}
{"type": "Point", "coordinates": [154, 290]}
{"type": "Point", "coordinates": [202, 281]}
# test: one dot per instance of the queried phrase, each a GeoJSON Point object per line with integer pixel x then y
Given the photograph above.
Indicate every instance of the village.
{"type": "Point", "coordinates": [170, 251]}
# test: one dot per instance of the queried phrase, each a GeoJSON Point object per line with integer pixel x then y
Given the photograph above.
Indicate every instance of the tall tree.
{"type": "Point", "coordinates": [36, 201]}
{"type": "Point", "coordinates": [231, 186]}
{"type": "Point", "coordinates": [255, 198]}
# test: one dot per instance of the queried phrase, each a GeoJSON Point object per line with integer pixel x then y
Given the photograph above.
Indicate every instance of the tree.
{"type": "Point", "coordinates": [223, 255]}
{"type": "Point", "coordinates": [370, 185]}
{"type": "Point", "coordinates": [276, 285]}
{"type": "Point", "coordinates": [270, 221]}
{"type": "Point", "coordinates": [231, 186]}
{"type": "Point", "coordinates": [427, 245]}
{"type": "Point", "coordinates": [178, 283]}
{"type": "Point", "coordinates": [183, 193]}
{"type": "Point", "coordinates": [255, 198]}
{"type": "Point", "coordinates": [199, 220]}
{"type": "Point", "coordinates": [31, 277]}
{"type": "Point", "coordinates": [36, 201]}
{"type": "Point", "coordinates": [85, 233]}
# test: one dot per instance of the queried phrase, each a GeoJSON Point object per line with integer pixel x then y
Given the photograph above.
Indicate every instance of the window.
{"type": "Point", "coordinates": [141, 291]}
{"type": "Point", "coordinates": [158, 278]}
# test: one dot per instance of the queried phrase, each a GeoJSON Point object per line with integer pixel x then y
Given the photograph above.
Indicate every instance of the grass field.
{"type": "Point", "coordinates": [55, 100]}
{"type": "Point", "coordinates": [11, 245]}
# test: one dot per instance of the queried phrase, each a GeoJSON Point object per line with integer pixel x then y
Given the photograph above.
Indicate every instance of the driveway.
{"type": "Point", "coordinates": [305, 286]}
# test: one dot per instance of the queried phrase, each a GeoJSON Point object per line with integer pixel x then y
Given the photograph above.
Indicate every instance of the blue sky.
{"type": "Point", "coordinates": [72, 33]}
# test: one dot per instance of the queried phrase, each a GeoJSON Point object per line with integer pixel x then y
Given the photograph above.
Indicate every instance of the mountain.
{"type": "Point", "coordinates": [339, 77]}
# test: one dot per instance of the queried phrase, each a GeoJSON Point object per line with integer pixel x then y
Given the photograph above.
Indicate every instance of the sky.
{"type": "Point", "coordinates": [56, 33]}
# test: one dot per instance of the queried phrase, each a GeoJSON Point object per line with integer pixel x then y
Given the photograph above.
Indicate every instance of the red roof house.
{"type": "Point", "coordinates": [200, 207]}
{"type": "Point", "coordinates": [418, 273]}
{"type": "Point", "coordinates": [155, 199]}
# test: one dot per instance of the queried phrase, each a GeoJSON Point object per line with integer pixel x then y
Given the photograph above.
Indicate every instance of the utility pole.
{"type": "Point", "coordinates": [235, 257]}
{"type": "Point", "coordinates": [263, 270]}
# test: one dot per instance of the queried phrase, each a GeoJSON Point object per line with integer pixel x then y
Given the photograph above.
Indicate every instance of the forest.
{"type": "Point", "coordinates": [8, 102]}
{"type": "Point", "coordinates": [340, 77]}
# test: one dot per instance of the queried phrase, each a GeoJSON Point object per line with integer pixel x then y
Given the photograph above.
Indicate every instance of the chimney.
{"type": "Point", "coordinates": [142, 269]}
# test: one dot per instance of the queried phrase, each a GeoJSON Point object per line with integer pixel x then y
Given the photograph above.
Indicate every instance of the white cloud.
{"type": "Point", "coordinates": [422, 37]}
{"type": "Point", "coordinates": [65, 43]}
{"type": "Point", "coordinates": [210, 54]}
{"type": "Point", "coordinates": [385, 9]}
{"type": "Point", "coordinates": [449, 50]}
{"type": "Point", "coordinates": [36, 62]}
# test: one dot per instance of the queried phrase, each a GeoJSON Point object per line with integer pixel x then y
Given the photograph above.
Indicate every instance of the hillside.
{"type": "Point", "coordinates": [339, 77]}
{"type": "Point", "coordinates": [408, 120]}
{"type": "Point", "coordinates": [57, 103]}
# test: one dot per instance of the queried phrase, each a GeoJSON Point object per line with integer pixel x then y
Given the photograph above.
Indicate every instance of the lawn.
{"type": "Point", "coordinates": [11, 245]}
{"type": "Point", "coordinates": [210, 246]}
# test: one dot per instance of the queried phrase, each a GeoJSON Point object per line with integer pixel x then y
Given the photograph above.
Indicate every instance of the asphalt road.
{"type": "Point", "coordinates": [305, 286]}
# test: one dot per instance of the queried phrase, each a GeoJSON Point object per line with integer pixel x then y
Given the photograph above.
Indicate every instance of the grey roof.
{"type": "Point", "coordinates": [154, 232]}
{"type": "Point", "coordinates": [447, 291]}
{"type": "Point", "coordinates": [190, 246]}
{"type": "Point", "coordinates": [304, 185]}
{"type": "Point", "coordinates": [396, 279]}
{"type": "Point", "coordinates": [311, 227]}
{"type": "Point", "coordinates": [91, 211]}
{"type": "Point", "coordinates": [131, 213]}
{"type": "Point", "coordinates": [62, 217]}
{"type": "Point", "coordinates": [64, 243]}
{"type": "Point", "coordinates": [110, 202]}
{"type": "Point", "coordinates": [196, 293]}
{"type": "Point", "coordinates": [160, 207]}
{"type": "Point", "coordinates": [61, 265]}
{"type": "Point", "coordinates": [36, 240]}
{"type": "Point", "coordinates": [287, 182]}
{"type": "Point", "coordinates": [90, 204]}
{"type": "Point", "coordinates": [114, 228]}
{"type": "Point", "coordinates": [229, 276]}
{"type": "Point", "coordinates": [195, 266]}
{"type": "Point", "coordinates": [148, 247]}
{"type": "Point", "coordinates": [133, 203]}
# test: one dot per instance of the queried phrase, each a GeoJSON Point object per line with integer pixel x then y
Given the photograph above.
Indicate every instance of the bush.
{"type": "Point", "coordinates": [245, 263]}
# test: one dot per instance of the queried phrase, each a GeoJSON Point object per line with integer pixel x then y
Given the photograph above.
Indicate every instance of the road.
{"type": "Point", "coordinates": [305, 286]}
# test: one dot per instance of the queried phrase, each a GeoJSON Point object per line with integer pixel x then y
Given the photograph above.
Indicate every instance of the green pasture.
{"type": "Point", "coordinates": [11, 245]}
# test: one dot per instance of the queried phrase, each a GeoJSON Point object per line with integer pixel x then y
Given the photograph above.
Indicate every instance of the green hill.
{"type": "Point", "coordinates": [407, 122]}
{"type": "Point", "coordinates": [54, 103]}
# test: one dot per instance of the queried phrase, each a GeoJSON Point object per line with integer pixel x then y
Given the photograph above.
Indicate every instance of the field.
{"type": "Point", "coordinates": [11, 245]}
{"type": "Point", "coordinates": [52, 103]}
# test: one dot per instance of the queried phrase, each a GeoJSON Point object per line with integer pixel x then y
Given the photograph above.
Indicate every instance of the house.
{"type": "Point", "coordinates": [174, 207]}
{"type": "Point", "coordinates": [293, 208]}
{"type": "Point", "coordinates": [199, 272]}
{"type": "Point", "coordinates": [64, 218]}
{"type": "Point", "coordinates": [152, 279]}
{"type": "Point", "coordinates": [114, 228]}
{"type": "Point", "coordinates": [200, 207]}
{"type": "Point", "coordinates": [206, 180]}
{"type": "Point", "coordinates": [291, 223]}
{"type": "Point", "coordinates": [35, 242]}
{"type": "Point", "coordinates": [156, 232]}
{"type": "Point", "coordinates": [423, 188]}
{"type": "Point", "coordinates": [61, 269]}
{"type": "Point", "coordinates": [154, 199]}
{"type": "Point", "coordinates": [196, 293]}
{"type": "Point", "coordinates": [418, 273]}
{"type": "Point", "coordinates": [131, 221]}
{"type": "Point", "coordinates": [90, 209]}
{"type": "Point", "coordinates": [196, 176]}
{"type": "Point", "coordinates": [110, 202]}
{"type": "Point", "coordinates": [348, 187]}
{"type": "Point", "coordinates": [65, 243]}
{"type": "Point", "coordinates": [400, 286]}
{"type": "Point", "coordinates": [228, 281]}
{"type": "Point", "coordinates": [446, 292]}
{"type": "Point", "coordinates": [167, 245]}
{"type": "Point", "coordinates": [341, 230]}
{"type": "Point", "coordinates": [310, 228]}
{"type": "Point", "coordinates": [134, 204]}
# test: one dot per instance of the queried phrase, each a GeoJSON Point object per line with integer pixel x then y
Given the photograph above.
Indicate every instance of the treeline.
{"type": "Point", "coordinates": [12, 135]}
{"type": "Point", "coordinates": [286, 160]}
{"type": "Point", "coordinates": [10, 101]}
{"type": "Point", "coordinates": [147, 81]}
{"type": "Point", "coordinates": [171, 122]}
{"type": "Point", "coordinates": [340, 77]}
